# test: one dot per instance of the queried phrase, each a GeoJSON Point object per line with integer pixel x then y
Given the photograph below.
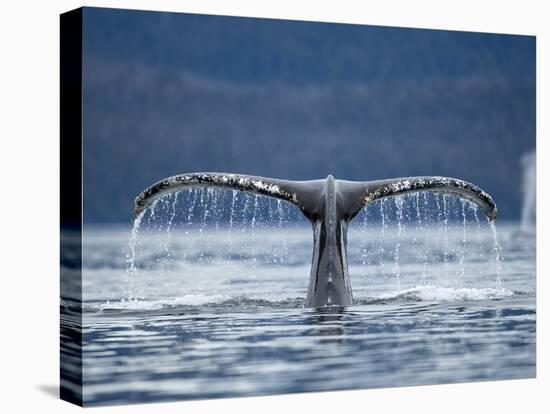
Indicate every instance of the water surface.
{"type": "Point", "coordinates": [200, 309]}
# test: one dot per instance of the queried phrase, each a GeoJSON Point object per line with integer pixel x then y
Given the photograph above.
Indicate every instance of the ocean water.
{"type": "Point", "coordinates": [205, 300]}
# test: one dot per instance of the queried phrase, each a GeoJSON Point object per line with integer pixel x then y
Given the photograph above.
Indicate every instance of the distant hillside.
{"type": "Point", "coordinates": [269, 50]}
{"type": "Point", "coordinates": [176, 93]}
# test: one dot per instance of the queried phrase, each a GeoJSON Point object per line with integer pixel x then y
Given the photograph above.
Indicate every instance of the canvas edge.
{"type": "Point", "coordinates": [71, 36]}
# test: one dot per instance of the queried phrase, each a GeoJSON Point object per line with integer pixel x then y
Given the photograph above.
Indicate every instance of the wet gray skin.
{"type": "Point", "coordinates": [329, 205]}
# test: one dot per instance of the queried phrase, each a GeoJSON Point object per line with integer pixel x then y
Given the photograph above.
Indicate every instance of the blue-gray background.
{"type": "Point", "coordinates": [166, 93]}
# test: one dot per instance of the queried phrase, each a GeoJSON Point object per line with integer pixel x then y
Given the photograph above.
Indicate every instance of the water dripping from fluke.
{"type": "Point", "coordinates": [463, 245]}
{"type": "Point", "coordinates": [445, 235]}
{"type": "Point", "coordinates": [169, 226]}
{"type": "Point", "coordinates": [399, 215]}
{"type": "Point", "coordinates": [497, 250]}
{"type": "Point", "coordinates": [474, 209]}
{"type": "Point", "coordinates": [382, 235]}
{"type": "Point", "coordinates": [426, 240]}
{"type": "Point", "coordinates": [364, 247]}
{"type": "Point", "coordinates": [249, 214]}
{"type": "Point", "coordinates": [131, 257]}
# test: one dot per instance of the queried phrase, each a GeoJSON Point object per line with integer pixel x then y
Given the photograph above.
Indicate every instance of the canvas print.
{"type": "Point", "coordinates": [257, 206]}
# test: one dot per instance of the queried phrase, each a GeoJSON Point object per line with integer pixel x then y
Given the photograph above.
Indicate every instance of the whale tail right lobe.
{"type": "Point", "coordinates": [463, 189]}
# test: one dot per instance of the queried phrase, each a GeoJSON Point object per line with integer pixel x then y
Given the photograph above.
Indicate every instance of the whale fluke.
{"type": "Point", "coordinates": [459, 188]}
{"type": "Point", "coordinates": [329, 205]}
{"type": "Point", "coordinates": [281, 189]}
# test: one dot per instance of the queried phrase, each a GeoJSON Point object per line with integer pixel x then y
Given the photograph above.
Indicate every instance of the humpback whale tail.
{"type": "Point", "coordinates": [329, 205]}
